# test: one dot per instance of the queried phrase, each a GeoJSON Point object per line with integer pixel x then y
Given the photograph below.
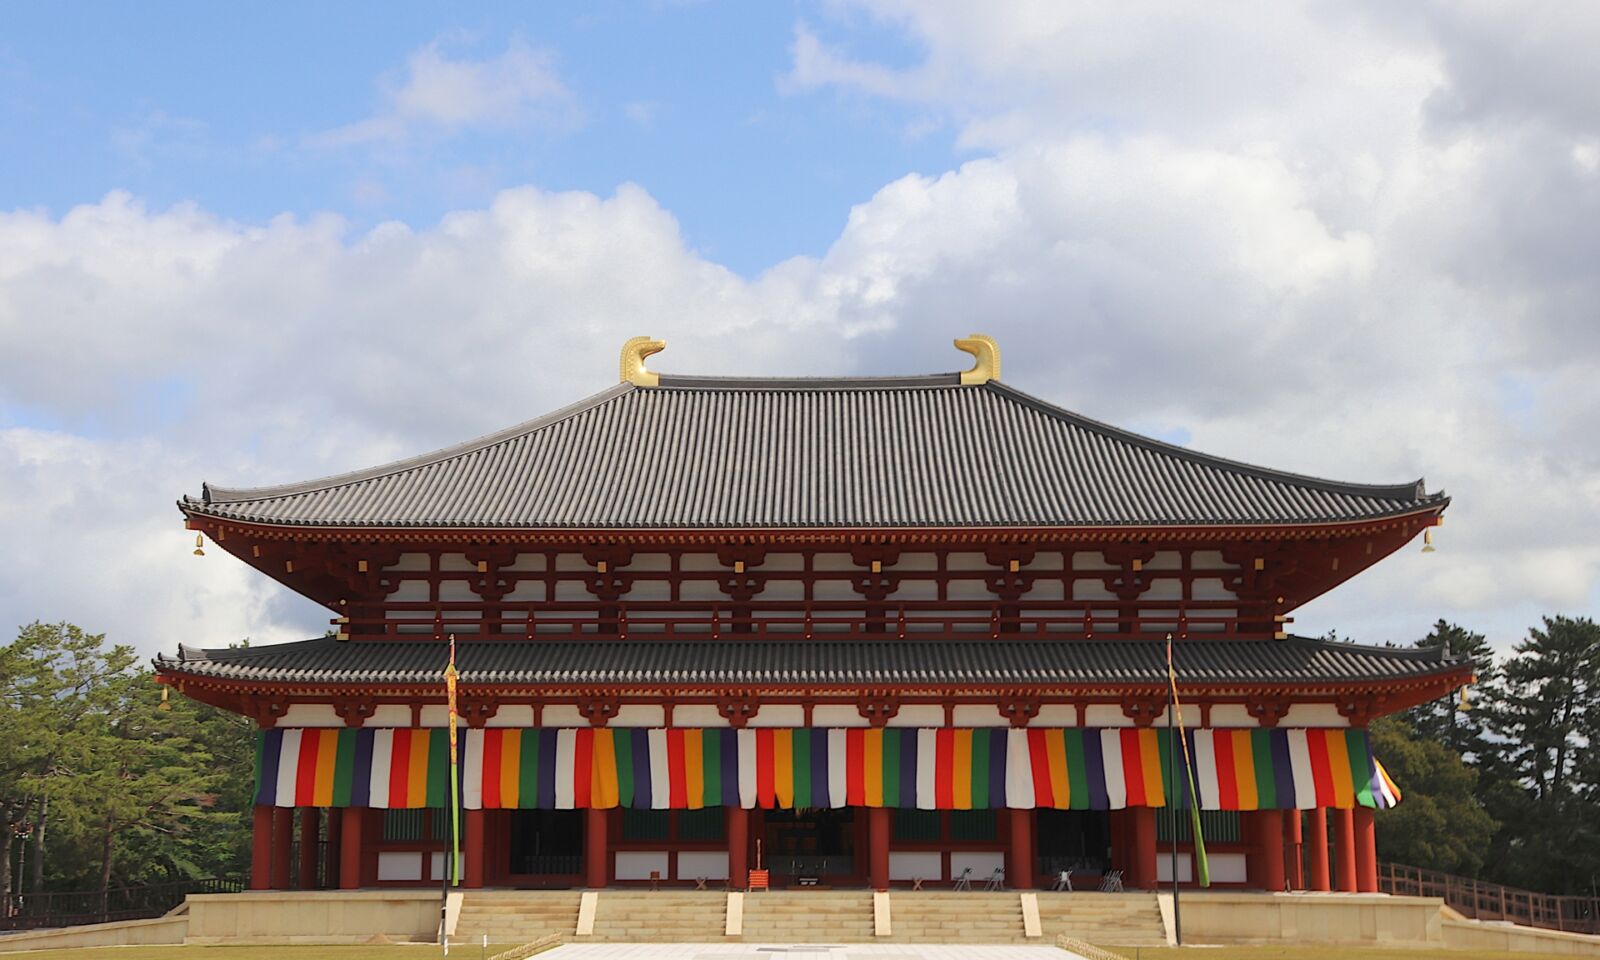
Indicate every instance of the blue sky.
{"type": "Point", "coordinates": [686, 99]}
{"type": "Point", "coordinates": [261, 244]}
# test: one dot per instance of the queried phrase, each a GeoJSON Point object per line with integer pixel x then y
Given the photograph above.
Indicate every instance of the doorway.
{"type": "Point", "coordinates": [813, 847]}
{"type": "Point", "coordinates": [545, 848]}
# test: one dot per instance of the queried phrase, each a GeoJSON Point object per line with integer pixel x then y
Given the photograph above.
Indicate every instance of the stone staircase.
{"type": "Point", "coordinates": [810, 916]}
{"type": "Point", "coordinates": [1122, 919]}
{"type": "Point", "coordinates": [517, 916]}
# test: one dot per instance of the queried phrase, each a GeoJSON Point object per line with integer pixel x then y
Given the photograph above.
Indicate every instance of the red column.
{"type": "Point", "coordinates": [1344, 848]}
{"type": "Point", "coordinates": [310, 829]}
{"type": "Point", "coordinates": [878, 847]}
{"type": "Point", "coordinates": [261, 848]}
{"type": "Point", "coordinates": [596, 870]}
{"type": "Point", "coordinates": [1269, 849]}
{"type": "Point", "coordinates": [1366, 850]}
{"type": "Point", "coordinates": [1144, 847]}
{"type": "Point", "coordinates": [1019, 855]}
{"type": "Point", "coordinates": [475, 847]}
{"type": "Point", "coordinates": [350, 847]}
{"type": "Point", "coordinates": [330, 850]}
{"type": "Point", "coordinates": [1296, 857]}
{"type": "Point", "coordinates": [738, 847]}
{"type": "Point", "coordinates": [1317, 849]}
{"type": "Point", "coordinates": [282, 840]}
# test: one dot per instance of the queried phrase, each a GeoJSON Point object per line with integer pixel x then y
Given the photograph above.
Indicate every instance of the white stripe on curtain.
{"type": "Point", "coordinates": [660, 770]}
{"type": "Point", "coordinates": [288, 767]}
{"type": "Point", "coordinates": [1305, 784]}
{"type": "Point", "coordinates": [1205, 769]}
{"type": "Point", "coordinates": [927, 759]}
{"type": "Point", "coordinates": [747, 768]}
{"type": "Point", "coordinates": [1019, 770]}
{"type": "Point", "coordinates": [382, 762]}
{"type": "Point", "coordinates": [566, 767]}
{"type": "Point", "coordinates": [1116, 779]}
{"type": "Point", "coordinates": [472, 769]}
{"type": "Point", "coordinates": [838, 768]}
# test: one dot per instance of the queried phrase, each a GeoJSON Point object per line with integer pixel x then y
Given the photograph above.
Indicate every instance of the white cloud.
{"type": "Point", "coordinates": [438, 95]}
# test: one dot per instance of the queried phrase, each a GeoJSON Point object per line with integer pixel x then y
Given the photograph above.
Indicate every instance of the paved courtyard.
{"type": "Point", "coordinates": [808, 951]}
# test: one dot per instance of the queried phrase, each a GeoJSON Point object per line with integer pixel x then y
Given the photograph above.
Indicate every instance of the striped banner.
{"type": "Point", "coordinates": [929, 769]}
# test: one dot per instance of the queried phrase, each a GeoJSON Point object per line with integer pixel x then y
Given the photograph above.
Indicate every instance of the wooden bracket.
{"type": "Point", "coordinates": [599, 709]}
{"type": "Point", "coordinates": [477, 710]}
{"type": "Point", "coordinates": [1019, 709]}
{"type": "Point", "coordinates": [878, 706]}
{"type": "Point", "coordinates": [738, 708]}
{"type": "Point", "coordinates": [1268, 711]}
{"type": "Point", "coordinates": [355, 711]}
{"type": "Point", "coordinates": [265, 710]}
{"type": "Point", "coordinates": [1143, 711]}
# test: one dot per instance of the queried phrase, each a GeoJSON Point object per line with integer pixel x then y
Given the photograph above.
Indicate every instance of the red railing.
{"type": "Point", "coordinates": [1478, 900]}
{"type": "Point", "coordinates": [845, 619]}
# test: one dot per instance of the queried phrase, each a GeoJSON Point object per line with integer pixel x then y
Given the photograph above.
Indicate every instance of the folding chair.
{"type": "Point", "coordinates": [1111, 882]}
{"type": "Point", "coordinates": [964, 882]}
{"type": "Point", "coordinates": [996, 881]}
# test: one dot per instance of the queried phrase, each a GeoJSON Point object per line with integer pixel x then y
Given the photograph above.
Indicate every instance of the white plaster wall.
{"type": "Point", "coordinates": [1231, 715]}
{"type": "Point", "coordinates": [312, 715]}
{"type": "Point", "coordinates": [399, 865]}
{"type": "Point", "coordinates": [562, 715]}
{"type": "Point", "coordinates": [836, 715]}
{"type": "Point", "coordinates": [983, 864]}
{"type": "Point", "coordinates": [390, 715]}
{"type": "Point", "coordinates": [637, 864]}
{"type": "Point", "coordinates": [1105, 715]}
{"type": "Point", "coordinates": [915, 865]}
{"type": "Point", "coordinates": [1056, 715]}
{"type": "Point", "coordinates": [411, 561]}
{"type": "Point", "coordinates": [697, 715]}
{"type": "Point", "coordinates": [512, 715]}
{"type": "Point", "coordinates": [917, 715]}
{"type": "Point", "coordinates": [779, 715]}
{"type": "Point", "coordinates": [435, 715]}
{"type": "Point", "coordinates": [1313, 715]}
{"type": "Point", "coordinates": [640, 715]}
{"type": "Point", "coordinates": [979, 715]}
{"type": "Point", "coordinates": [711, 864]}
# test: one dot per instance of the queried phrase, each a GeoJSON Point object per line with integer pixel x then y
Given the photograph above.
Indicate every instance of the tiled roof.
{"type": "Point", "coordinates": [703, 453]}
{"type": "Point", "coordinates": [1296, 660]}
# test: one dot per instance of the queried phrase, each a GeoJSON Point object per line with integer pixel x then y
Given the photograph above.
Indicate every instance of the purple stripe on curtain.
{"type": "Point", "coordinates": [908, 773]}
{"type": "Point", "coordinates": [1094, 766]}
{"type": "Point", "coordinates": [643, 797]}
{"type": "Point", "coordinates": [271, 753]}
{"type": "Point", "coordinates": [1282, 768]}
{"type": "Point", "coordinates": [547, 768]}
{"type": "Point", "coordinates": [819, 768]}
{"type": "Point", "coordinates": [729, 754]}
{"type": "Point", "coordinates": [361, 778]}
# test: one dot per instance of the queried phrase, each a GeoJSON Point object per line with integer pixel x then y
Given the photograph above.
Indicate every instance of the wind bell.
{"type": "Point", "coordinates": [1427, 541]}
{"type": "Point", "coordinates": [199, 544]}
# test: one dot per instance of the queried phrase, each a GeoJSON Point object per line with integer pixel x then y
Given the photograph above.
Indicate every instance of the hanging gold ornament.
{"type": "Point", "coordinates": [1427, 541]}
{"type": "Point", "coordinates": [1465, 703]}
{"type": "Point", "coordinates": [199, 544]}
{"type": "Point", "coordinates": [166, 691]}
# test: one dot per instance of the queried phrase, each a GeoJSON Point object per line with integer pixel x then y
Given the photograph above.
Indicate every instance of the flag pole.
{"type": "Point", "coordinates": [1172, 801]}
{"type": "Point", "coordinates": [450, 676]}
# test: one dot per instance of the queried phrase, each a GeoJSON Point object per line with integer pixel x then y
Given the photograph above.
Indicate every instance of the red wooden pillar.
{"type": "Point", "coordinates": [350, 847]}
{"type": "Point", "coordinates": [310, 832]}
{"type": "Point", "coordinates": [1317, 848]}
{"type": "Point", "coordinates": [330, 850]}
{"type": "Point", "coordinates": [878, 847]}
{"type": "Point", "coordinates": [1144, 846]}
{"type": "Point", "coordinates": [261, 848]}
{"type": "Point", "coordinates": [1366, 850]}
{"type": "Point", "coordinates": [1344, 847]}
{"type": "Point", "coordinates": [282, 840]}
{"type": "Point", "coordinates": [595, 867]}
{"type": "Point", "coordinates": [1296, 853]}
{"type": "Point", "coordinates": [738, 847]}
{"type": "Point", "coordinates": [475, 850]}
{"type": "Point", "coordinates": [1019, 855]}
{"type": "Point", "coordinates": [1268, 842]}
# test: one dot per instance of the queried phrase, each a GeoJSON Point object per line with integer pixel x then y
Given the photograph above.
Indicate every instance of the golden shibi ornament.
{"type": "Point", "coordinates": [199, 544]}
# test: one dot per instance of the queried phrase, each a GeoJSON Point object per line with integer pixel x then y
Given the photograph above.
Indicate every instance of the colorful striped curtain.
{"type": "Point", "coordinates": [929, 769]}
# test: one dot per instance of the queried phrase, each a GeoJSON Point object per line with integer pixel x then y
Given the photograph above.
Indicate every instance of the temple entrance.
{"type": "Point", "coordinates": [545, 848]}
{"type": "Point", "coordinates": [816, 847]}
{"type": "Point", "coordinates": [1078, 841]}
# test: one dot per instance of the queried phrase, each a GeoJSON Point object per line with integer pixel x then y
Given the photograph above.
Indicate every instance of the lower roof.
{"type": "Point", "coordinates": [936, 662]}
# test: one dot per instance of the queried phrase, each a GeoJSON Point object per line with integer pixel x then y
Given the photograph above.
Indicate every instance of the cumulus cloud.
{"type": "Point", "coordinates": [438, 95]}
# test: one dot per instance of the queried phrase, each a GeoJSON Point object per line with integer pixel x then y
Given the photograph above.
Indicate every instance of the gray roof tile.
{"type": "Point", "coordinates": [740, 454]}
{"type": "Point", "coordinates": [1297, 660]}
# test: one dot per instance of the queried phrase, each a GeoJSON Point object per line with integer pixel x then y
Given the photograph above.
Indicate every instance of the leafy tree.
{"type": "Point", "coordinates": [1463, 730]}
{"type": "Point", "coordinates": [1549, 703]}
{"type": "Point", "coordinates": [1440, 824]}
